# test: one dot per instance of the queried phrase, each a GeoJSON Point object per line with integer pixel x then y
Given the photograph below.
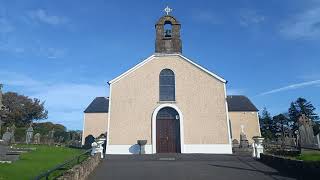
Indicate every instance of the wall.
{"type": "Point", "coordinates": [199, 96]}
{"type": "Point", "coordinates": [83, 170]}
{"type": "Point", "coordinates": [249, 120]}
{"type": "Point", "coordinates": [94, 124]}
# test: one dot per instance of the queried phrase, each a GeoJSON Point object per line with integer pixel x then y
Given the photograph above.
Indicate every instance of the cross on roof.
{"type": "Point", "coordinates": [168, 10]}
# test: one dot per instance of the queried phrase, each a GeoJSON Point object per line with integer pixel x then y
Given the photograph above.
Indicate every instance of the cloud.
{"type": "Point", "coordinates": [64, 101]}
{"type": "Point", "coordinates": [305, 25]}
{"type": "Point", "coordinates": [291, 87]}
{"type": "Point", "coordinates": [251, 17]}
{"type": "Point", "coordinates": [235, 91]}
{"type": "Point", "coordinates": [206, 17]}
{"type": "Point", "coordinates": [43, 16]}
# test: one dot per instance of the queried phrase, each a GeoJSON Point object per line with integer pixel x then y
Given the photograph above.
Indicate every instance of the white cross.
{"type": "Point", "coordinates": [167, 10]}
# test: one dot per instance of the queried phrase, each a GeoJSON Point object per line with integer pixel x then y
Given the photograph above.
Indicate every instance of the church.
{"type": "Point", "coordinates": [173, 103]}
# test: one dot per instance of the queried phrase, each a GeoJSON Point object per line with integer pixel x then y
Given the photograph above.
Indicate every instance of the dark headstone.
{"type": "Point", "coordinates": [88, 141]}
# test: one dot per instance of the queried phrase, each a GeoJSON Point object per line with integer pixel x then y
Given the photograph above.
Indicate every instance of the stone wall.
{"type": "Point", "coordinates": [82, 171]}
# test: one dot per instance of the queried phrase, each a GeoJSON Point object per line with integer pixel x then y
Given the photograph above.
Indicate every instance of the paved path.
{"type": "Point", "coordinates": [184, 167]}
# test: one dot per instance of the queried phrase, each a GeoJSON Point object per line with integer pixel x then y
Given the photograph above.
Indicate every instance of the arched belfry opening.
{"type": "Point", "coordinates": [168, 35]}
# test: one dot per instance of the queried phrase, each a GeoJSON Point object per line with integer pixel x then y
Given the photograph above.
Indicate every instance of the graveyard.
{"type": "Point", "coordinates": [35, 161]}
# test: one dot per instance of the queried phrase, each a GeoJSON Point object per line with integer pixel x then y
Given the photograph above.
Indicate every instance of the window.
{"type": "Point", "coordinates": [167, 85]}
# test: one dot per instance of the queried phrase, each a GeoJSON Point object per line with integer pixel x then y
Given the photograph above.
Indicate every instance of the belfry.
{"type": "Point", "coordinates": [168, 34]}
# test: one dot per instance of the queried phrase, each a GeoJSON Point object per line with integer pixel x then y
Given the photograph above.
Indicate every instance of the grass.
{"type": "Point", "coordinates": [33, 163]}
{"type": "Point", "coordinates": [310, 156]}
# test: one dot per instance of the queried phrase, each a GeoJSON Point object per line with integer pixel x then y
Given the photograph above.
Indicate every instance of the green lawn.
{"type": "Point", "coordinates": [33, 163]}
{"type": "Point", "coordinates": [310, 156]}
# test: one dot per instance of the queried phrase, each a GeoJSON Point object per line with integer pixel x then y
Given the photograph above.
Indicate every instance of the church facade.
{"type": "Point", "coordinates": [175, 104]}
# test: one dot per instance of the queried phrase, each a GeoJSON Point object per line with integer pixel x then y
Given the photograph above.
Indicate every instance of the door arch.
{"type": "Point", "coordinates": [168, 131]}
{"type": "Point", "coordinates": [170, 121]}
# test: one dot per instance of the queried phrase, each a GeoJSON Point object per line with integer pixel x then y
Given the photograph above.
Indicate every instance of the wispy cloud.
{"type": "Point", "coordinates": [305, 25]}
{"type": "Point", "coordinates": [42, 16]}
{"type": "Point", "coordinates": [64, 101]}
{"type": "Point", "coordinates": [250, 17]}
{"type": "Point", "coordinates": [235, 91]}
{"type": "Point", "coordinates": [291, 87]}
{"type": "Point", "coordinates": [206, 17]}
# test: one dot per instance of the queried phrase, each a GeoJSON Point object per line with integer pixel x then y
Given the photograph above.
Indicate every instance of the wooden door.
{"type": "Point", "coordinates": [168, 136]}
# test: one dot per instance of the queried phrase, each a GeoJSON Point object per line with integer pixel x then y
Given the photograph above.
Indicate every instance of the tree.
{"type": "Point", "coordinates": [22, 110]}
{"type": "Point", "coordinates": [302, 106]}
{"type": "Point", "coordinates": [280, 122]}
{"type": "Point", "coordinates": [266, 124]}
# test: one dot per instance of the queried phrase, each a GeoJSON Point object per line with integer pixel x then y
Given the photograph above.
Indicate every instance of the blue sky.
{"type": "Point", "coordinates": [65, 52]}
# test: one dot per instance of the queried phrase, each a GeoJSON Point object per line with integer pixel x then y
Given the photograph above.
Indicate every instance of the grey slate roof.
{"type": "Point", "coordinates": [240, 103]}
{"type": "Point", "coordinates": [235, 103]}
{"type": "Point", "coordinates": [98, 105]}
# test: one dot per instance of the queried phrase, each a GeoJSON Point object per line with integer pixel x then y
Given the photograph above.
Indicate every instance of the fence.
{"type": "Point", "coordinates": [59, 169]}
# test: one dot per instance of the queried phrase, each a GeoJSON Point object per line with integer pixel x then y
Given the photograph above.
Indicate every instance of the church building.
{"type": "Point", "coordinates": [172, 102]}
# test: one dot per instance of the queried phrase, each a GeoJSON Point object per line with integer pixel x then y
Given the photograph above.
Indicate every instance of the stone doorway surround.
{"type": "Point", "coordinates": [154, 126]}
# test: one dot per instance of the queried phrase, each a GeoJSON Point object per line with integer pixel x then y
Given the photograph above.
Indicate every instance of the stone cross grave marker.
{"type": "Point", "coordinates": [306, 136]}
{"type": "Point", "coordinates": [29, 134]}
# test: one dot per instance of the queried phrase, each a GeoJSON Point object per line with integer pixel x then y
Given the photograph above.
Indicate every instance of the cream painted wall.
{"type": "Point", "coordinates": [94, 124]}
{"type": "Point", "coordinates": [250, 122]}
{"type": "Point", "coordinates": [200, 97]}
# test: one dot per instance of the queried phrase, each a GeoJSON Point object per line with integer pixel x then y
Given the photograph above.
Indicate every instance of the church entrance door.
{"type": "Point", "coordinates": [168, 131]}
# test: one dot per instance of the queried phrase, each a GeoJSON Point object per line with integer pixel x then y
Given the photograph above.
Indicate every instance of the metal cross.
{"type": "Point", "coordinates": [168, 10]}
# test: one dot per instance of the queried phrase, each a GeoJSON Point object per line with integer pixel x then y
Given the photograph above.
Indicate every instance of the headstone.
{"type": "Point", "coordinates": [29, 134]}
{"type": "Point", "coordinates": [7, 136]}
{"type": "Point", "coordinates": [244, 143]}
{"type": "Point", "coordinates": [88, 141]}
{"type": "Point", "coordinates": [36, 138]}
{"type": "Point", "coordinates": [51, 136]}
{"type": "Point", "coordinates": [306, 136]}
{"type": "Point", "coordinates": [13, 129]}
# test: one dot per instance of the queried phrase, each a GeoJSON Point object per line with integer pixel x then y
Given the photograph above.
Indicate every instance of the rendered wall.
{"type": "Point", "coordinates": [199, 96]}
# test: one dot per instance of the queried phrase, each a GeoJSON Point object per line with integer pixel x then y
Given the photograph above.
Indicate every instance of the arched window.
{"type": "Point", "coordinates": [167, 85]}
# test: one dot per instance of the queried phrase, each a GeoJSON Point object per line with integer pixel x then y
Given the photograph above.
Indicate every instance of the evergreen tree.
{"type": "Point", "coordinates": [266, 124]}
{"type": "Point", "coordinates": [302, 106]}
{"type": "Point", "coordinates": [280, 123]}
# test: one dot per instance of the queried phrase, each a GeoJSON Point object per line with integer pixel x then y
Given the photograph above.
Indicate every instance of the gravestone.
{"type": "Point", "coordinates": [88, 141]}
{"type": "Point", "coordinates": [7, 136]}
{"type": "Point", "coordinates": [51, 136]}
{"type": "Point", "coordinates": [29, 134]}
{"type": "Point", "coordinates": [13, 129]}
{"type": "Point", "coordinates": [36, 138]}
{"type": "Point", "coordinates": [306, 136]}
{"type": "Point", "coordinates": [244, 143]}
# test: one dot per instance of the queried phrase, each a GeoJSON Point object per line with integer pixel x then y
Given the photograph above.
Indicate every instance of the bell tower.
{"type": "Point", "coordinates": [168, 34]}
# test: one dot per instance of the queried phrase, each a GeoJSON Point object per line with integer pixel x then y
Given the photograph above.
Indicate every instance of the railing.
{"type": "Point", "coordinates": [63, 166]}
